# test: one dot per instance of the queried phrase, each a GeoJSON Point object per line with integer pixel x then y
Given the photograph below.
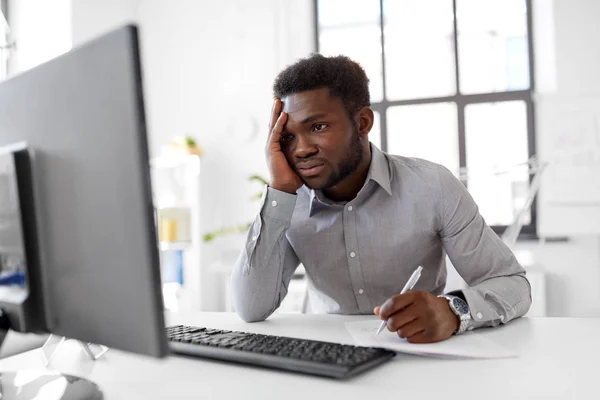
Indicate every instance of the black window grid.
{"type": "Point", "coordinates": [461, 100]}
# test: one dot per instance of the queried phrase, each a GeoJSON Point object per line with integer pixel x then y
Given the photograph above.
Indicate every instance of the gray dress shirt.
{"type": "Point", "coordinates": [357, 254]}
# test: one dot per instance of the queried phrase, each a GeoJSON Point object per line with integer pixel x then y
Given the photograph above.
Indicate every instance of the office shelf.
{"type": "Point", "coordinates": [166, 246]}
{"type": "Point", "coordinates": [176, 185]}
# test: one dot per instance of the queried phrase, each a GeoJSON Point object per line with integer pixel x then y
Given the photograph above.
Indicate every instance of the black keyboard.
{"type": "Point", "coordinates": [298, 355]}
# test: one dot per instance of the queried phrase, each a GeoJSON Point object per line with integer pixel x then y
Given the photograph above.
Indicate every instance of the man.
{"type": "Point", "coordinates": [361, 221]}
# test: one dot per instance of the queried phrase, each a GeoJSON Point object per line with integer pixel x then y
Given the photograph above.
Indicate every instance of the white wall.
{"type": "Point", "coordinates": [578, 46]}
{"type": "Point", "coordinates": [567, 56]}
{"type": "Point", "coordinates": [572, 272]}
{"type": "Point", "coordinates": [42, 30]}
{"type": "Point", "coordinates": [91, 18]}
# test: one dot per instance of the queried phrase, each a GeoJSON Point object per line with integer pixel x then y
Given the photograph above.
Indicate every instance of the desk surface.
{"type": "Point", "coordinates": [558, 360]}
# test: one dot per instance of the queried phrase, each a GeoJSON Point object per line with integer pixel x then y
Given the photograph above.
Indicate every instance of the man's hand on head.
{"type": "Point", "coordinates": [283, 177]}
{"type": "Point", "coordinates": [419, 316]}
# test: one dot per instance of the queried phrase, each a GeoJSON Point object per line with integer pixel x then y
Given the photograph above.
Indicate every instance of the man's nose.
{"type": "Point", "coordinates": [304, 147]}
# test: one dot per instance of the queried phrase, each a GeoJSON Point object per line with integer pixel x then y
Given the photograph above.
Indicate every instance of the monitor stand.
{"type": "Point", "coordinates": [88, 348]}
{"type": "Point", "coordinates": [31, 384]}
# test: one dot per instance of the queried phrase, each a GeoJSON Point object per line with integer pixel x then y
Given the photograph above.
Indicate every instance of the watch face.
{"type": "Point", "coordinates": [460, 305]}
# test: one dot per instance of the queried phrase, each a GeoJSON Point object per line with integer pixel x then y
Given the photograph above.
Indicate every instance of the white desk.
{"type": "Point", "coordinates": [559, 360]}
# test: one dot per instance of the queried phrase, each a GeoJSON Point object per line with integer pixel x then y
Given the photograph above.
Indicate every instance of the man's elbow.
{"type": "Point", "coordinates": [249, 302]}
{"type": "Point", "coordinates": [250, 313]}
{"type": "Point", "coordinates": [526, 299]}
{"type": "Point", "coordinates": [251, 316]}
{"type": "Point", "coordinates": [529, 298]}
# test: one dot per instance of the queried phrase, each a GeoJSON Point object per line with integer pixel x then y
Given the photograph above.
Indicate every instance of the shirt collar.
{"type": "Point", "coordinates": [379, 171]}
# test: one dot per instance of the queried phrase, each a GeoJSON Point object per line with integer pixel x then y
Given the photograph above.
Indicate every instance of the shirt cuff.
{"type": "Point", "coordinates": [482, 314]}
{"type": "Point", "coordinates": [278, 205]}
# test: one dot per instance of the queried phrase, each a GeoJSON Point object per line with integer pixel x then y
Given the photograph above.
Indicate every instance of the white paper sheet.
{"type": "Point", "coordinates": [467, 345]}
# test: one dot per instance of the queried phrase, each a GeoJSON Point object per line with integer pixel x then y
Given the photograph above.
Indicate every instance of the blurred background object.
{"type": "Point", "coordinates": [7, 43]}
{"type": "Point", "coordinates": [176, 188]}
{"type": "Point", "coordinates": [183, 145]}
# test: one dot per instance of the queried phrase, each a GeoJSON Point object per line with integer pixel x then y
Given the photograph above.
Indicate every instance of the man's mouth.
{"type": "Point", "coordinates": [310, 169]}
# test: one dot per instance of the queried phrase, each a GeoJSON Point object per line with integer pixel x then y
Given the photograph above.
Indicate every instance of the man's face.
{"type": "Point", "coordinates": [320, 140]}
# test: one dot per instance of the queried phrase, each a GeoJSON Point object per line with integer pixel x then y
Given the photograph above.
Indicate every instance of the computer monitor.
{"type": "Point", "coordinates": [89, 247]}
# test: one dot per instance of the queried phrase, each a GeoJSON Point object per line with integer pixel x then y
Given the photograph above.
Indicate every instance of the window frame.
{"type": "Point", "coordinates": [4, 69]}
{"type": "Point", "coordinates": [461, 100]}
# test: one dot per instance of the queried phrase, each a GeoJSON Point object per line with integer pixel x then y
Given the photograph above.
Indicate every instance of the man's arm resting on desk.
{"type": "Point", "coordinates": [499, 290]}
{"type": "Point", "coordinates": [266, 264]}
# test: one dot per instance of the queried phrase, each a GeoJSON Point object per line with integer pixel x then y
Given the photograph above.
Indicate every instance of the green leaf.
{"type": "Point", "coordinates": [256, 196]}
{"type": "Point", "coordinates": [259, 179]}
{"type": "Point", "coordinates": [189, 141]}
{"type": "Point", "coordinates": [208, 237]}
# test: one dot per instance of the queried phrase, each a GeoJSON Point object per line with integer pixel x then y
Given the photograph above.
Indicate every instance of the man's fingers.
{"type": "Point", "coordinates": [420, 337]}
{"type": "Point", "coordinates": [396, 303]}
{"type": "Point", "coordinates": [275, 111]}
{"type": "Point", "coordinates": [402, 317]}
{"type": "Point", "coordinates": [419, 317]}
{"type": "Point", "coordinates": [276, 131]}
{"type": "Point", "coordinates": [411, 329]}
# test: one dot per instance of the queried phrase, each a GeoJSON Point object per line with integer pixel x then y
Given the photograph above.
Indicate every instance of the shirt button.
{"type": "Point", "coordinates": [352, 254]}
{"type": "Point", "coordinates": [274, 203]}
{"type": "Point", "coordinates": [479, 315]}
{"type": "Point", "coordinates": [254, 237]}
{"type": "Point", "coordinates": [360, 291]}
{"type": "Point", "coordinates": [501, 317]}
{"type": "Point", "coordinates": [350, 208]}
{"type": "Point", "coordinates": [470, 328]}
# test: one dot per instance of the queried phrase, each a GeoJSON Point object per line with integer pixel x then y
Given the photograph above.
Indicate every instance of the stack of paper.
{"type": "Point", "coordinates": [467, 345]}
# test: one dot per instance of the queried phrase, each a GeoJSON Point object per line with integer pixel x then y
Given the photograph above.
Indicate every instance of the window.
{"type": "Point", "coordinates": [451, 81]}
{"type": "Point", "coordinates": [4, 40]}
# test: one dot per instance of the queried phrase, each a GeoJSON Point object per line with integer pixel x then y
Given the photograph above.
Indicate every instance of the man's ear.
{"type": "Point", "coordinates": [364, 120]}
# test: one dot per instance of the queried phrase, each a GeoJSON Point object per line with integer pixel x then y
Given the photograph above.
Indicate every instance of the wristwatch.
{"type": "Point", "coordinates": [461, 309]}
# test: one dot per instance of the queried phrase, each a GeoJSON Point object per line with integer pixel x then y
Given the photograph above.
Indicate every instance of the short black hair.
{"type": "Point", "coordinates": [345, 79]}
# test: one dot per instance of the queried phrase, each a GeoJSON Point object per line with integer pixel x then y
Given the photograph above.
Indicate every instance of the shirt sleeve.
{"type": "Point", "coordinates": [498, 288]}
{"type": "Point", "coordinates": [267, 262]}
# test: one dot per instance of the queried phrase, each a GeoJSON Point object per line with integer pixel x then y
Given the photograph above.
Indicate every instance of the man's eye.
{"type": "Point", "coordinates": [286, 138]}
{"type": "Point", "coordinates": [319, 127]}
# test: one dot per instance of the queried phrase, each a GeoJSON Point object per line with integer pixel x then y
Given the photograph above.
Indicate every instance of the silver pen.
{"type": "Point", "coordinates": [412, 281]}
